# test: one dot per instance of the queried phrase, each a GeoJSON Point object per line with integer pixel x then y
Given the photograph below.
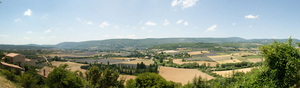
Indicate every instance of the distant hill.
{"type": "Point", "coordinates": [138, 43]}
{"type": "Point", "coordinates": [111, 44]}
{"type": "Point", "coordinates": [22, 47]}
{"type": "Point", "coordinates": [145, 43]}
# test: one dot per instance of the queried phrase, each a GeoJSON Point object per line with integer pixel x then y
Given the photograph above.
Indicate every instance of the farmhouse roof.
{"type": "Point", "coordinates": [213, 68]}
{"type": "Point", "coordinates": [45, 71]}
{"type": "Point", "coordinates": [12, 54]}
{"type": "Point", "coordinates": [11, 65]}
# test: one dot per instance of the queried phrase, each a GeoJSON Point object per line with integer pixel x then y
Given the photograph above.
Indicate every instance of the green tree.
{"type": "Point", "coordinates": [198, 82]}
{"type": "Point", "coordinates": [109, 79]}
{"type": "Point", "coordinates": [10, 74]}
{"type": "Point", "coordinates": [171, 61]}
{"type": "Point", "coordinates": [282, 64]}
{"type": "Point", "coordinates": [60, 77]}
{"type": "Point", "coordinates": [7, 60]}
{"type": "Point", "coordinates": [93, 74]}
{"type": "Point", "coordinates": [27, 80]}
{"type": "Point", "coordinates": [104, 79]}
{"type": "Point", "coordinates": [217, 65]}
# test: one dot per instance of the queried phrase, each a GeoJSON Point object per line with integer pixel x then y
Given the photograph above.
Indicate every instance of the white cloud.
{"type": "Point", "coordinates": [28, 12]}
{"type": "Point", "coordinates": [150, 30]}
{"type": "Point", "coordinates": [233, 24]}
{"type": "Point", "coordinates": [45, 16]}
{"type": "Point", "coordinates": [127, 26]}
{"type": "Point", "coordinates": [195, 27]}
{"type": "Point", "coordinates": [116, 27]}
{"type": "Point", "coordinates": [17, 20]}
{"type": "Point", "coordinates": [189, 3]}
{"type": "Point", "coordinates": [58, 28]}
{"type": "Point", "coordinates": [53, 36]}
{"type": "Point", "coordinates": [212, 28]}
{"type": "Point", "coordinates": [90, 23]}
{"type": "Point", "coordinates": [175, 9]}
{"type": "Point", "coordinates": [123, 30]}
{"type": "Point", "coordinates": [184, 3]}
{"type": "Point", "coordinates": [174, 2]}
{"type": "Point", "coordinates": [166, 22]}
{"type": "Point", "coordinates": [186, 23]}
{"type": "Point", "coordinates": [127, 36]}
{"type": "Point", "coordinates": [29, 32]}
{"type": "Point", "coordinates": [26, 38]}
{"type": "Point", "coordinates": [42, 37]}
{"type": "Point", "coordinates": [71, 29]}
{"type": "Point", "coordinates": [143, 28]}
{"type": "Point", "coordinates": [106, 35]}
{"type": "Point", "coordinates": [104, 24]}
{"type": "Point", "coordinates": [78, 19]}
{"type": "Point", "coordinates": [251, 16]}
{"type": "Point", "coordinates": [133, 27]}
{"type": "Point", "coordinates": [179, 21]}
{"type": "Point", "coordinates": [47, 31]}
{"type": "Point", "coordinates": [150, 23]}
{"type": "Point", "coordinates": [4, 35]}
{"type": "Point", "coordinates": [250, 26]}
{"type": "Point", "coordinates": [140, 22]}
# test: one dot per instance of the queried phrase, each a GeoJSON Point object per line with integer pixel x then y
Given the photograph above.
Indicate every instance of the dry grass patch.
{"type": "Point", "coordinates": [179, 61]}
{"type": "Point", "coordinates": [71, 65]}
{"type": "Point", "coordinates": [228, 73]}
{"type": "Point", "coordinates": [255, 60]}
{"type": "Point", "coordinates": [244, 53]}
{"type": "Point", "coordinates": [229, 61]}
{"type": "Point", "coordinates": [127, 77]}
{"type": "Point", "coordinates": [181, 75]}
{"type": "Point", "coordinates": [145, 61]}
{"type": "Point", "coordinates": [5, 83]}
{"type": "Point", "coordinates": [220, 57]}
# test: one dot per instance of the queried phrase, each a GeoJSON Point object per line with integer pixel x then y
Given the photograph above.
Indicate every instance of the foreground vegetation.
{"type": "Point", "coordinates": [280, 69]}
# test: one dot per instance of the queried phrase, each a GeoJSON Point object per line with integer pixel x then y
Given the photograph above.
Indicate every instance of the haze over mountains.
{"type": "Point", "coordinates": [139, 43]}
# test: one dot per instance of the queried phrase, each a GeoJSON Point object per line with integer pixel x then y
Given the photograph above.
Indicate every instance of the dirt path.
{"type": "Point", "coordinates": [181, 75]}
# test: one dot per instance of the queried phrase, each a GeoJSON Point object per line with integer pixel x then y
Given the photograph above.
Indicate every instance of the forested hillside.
{"type": "Point", "coordinates": [19, 47]}
{"type": "Point", "coordinates": [113, 44]}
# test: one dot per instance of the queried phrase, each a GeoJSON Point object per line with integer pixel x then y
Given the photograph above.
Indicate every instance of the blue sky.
{"type": "Point", "coordinates": [55, 21]}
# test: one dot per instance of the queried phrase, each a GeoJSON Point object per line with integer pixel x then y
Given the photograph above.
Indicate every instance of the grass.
{"type": "Point", "coordinates": [7, 83]}
{"type": "Point", "coordinates": [222, 53]}
{"type": "Point", "coordinates": [239, 57]}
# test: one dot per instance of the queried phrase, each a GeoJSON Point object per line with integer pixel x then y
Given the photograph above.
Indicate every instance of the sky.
{"type": "Point", "coordinates": [56, 21]}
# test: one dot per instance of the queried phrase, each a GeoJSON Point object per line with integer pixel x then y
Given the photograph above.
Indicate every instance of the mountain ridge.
{"type": "Point", "coordinates": [148, 42]}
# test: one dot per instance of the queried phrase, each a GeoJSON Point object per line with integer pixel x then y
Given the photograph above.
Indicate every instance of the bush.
{"type": "Point", "coordinates": [28, 80]}
{"type": "Point", "coordinates": [10, 75]}
{"type": "Point", "coordinates": [147, 80]}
